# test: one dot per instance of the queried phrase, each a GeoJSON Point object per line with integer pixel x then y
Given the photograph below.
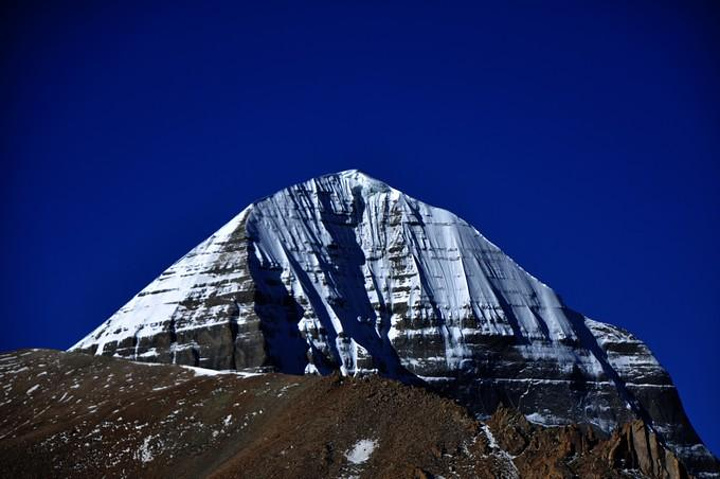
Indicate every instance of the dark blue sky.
{"type": "Point", "coordinates": [583, 139]}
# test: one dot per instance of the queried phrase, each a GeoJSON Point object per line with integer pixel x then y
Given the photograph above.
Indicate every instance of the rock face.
{"type": "Point", "coordinates": [345, 273]}
{"type": "Point", "coordinates": [634, 447]}
{"type": "Point", "coordinates": [576, 451]}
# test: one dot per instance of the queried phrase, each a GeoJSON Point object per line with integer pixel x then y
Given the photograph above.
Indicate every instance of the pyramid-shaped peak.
{"type": "Point", "coordinates": [341, 272]}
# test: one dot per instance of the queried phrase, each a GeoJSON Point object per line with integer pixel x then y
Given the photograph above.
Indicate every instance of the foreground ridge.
{"type": "Point", "coordinates": [74, 415]}
{"type": "Point", "coordinates": [345, 273]}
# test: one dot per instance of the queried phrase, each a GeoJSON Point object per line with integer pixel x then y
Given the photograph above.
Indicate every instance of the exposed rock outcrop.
{"type": "Point", "coordinates": [578, 451]}
{"type": "Point", "coordinates": [635, 447]}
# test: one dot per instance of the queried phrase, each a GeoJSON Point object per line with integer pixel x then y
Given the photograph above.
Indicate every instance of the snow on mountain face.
{"type": "Point", "coordinates": [345, 272]}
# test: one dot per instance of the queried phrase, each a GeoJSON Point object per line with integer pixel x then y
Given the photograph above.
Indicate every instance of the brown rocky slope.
{"type": "Point", "coordinates": [75, 415]}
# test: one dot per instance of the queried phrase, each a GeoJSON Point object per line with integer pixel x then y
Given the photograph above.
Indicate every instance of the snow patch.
{"type": "Point", "coordinates": [500, 452]}
{"type": "Point", "coordinates": [361, 451]}
{"type": "Point", "coordinates": [144, 453]}
{"type": "Point", "coordinates": [213, 372]}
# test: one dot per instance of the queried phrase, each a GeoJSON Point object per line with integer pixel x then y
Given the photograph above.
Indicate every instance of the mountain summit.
{"type": "Point", "coordinates": [344, 272]}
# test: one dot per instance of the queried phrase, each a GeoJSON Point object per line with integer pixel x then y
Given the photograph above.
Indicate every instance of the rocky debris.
{"type": "Point", "coordinates": [75, 415]}
{"type": "Point", "coordinates": [579, 451]}
{"type": "Point", "coordinates": [344, 273]}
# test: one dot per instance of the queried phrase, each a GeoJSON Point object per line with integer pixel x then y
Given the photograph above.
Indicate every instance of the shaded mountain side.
{"type": "Point", "coordinates": [76, 415]}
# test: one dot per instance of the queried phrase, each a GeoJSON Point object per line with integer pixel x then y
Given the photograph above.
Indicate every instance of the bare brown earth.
{"type": "Point", "coordinates": [75, 415]}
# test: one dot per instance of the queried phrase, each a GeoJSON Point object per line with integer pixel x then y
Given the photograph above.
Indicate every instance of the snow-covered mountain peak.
{"type": "Point", "coordinates": [343, 272]}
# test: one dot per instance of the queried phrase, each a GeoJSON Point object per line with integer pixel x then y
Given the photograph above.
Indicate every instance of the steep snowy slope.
{"type": "Point", "coordinates": [344, 272]}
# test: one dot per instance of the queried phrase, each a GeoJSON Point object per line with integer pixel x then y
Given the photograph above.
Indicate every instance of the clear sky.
{"type": "Point", "coordinates": [583, 138]}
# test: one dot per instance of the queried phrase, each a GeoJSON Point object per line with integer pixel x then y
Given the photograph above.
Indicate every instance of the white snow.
{"type": "Point", "coordinates": [361, 451]}
{"type": "Point", "coordinates": [144, 453]}
{"type": "Point", "coordinates": [500, 452]}
{"type": "Point", "coordinates": [215, 372]}
{"type": "Point", "coordinates": [32, 389]}
{"type": "Point", "coordinates": [203, 371]}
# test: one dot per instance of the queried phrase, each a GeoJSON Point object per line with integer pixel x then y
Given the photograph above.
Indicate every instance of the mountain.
{"type": "Point", "coordinates": [73, 415]}
{"type": "Point", "coordinates": [344, 273]}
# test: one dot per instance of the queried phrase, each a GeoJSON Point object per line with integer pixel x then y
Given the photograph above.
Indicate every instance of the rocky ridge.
{"type": "Point", "coordinates": [75, 415]}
